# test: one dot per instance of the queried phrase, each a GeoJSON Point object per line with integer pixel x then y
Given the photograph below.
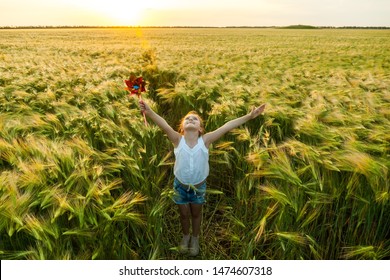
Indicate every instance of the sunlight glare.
{"type": "Point", "coordinates": [123, 12]}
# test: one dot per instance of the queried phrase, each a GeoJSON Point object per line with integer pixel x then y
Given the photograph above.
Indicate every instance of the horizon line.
{"type": "Point", "coordinates": [294, 26]}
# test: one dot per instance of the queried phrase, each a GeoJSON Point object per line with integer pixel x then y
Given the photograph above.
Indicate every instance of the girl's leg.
{"type": "Point", "coordinates": [196, 213]}
{"type": "Point", "coordinates": [185, 215]}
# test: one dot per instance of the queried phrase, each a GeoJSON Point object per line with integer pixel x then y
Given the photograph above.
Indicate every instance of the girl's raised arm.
{"type": "Point", "coordinates": [212, 136]}
{"type": "Point", "coordinates": [173, 135]}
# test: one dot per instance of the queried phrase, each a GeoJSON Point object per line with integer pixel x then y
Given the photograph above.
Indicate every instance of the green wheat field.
{"type": "Point", "coordinates": [82, 177]}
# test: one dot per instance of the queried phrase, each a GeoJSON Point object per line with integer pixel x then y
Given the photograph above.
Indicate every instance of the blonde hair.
{"type": "Point", "coordinates": [181, 126]}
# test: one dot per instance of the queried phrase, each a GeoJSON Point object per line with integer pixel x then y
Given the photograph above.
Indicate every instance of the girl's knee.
{"type": "Point", "coordinates": [185, 212]}
{"type": "Point", "coordinates": [196, 210]}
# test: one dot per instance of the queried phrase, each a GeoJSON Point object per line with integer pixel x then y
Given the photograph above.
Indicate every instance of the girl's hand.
{"type": "Point", "coordinates": [257, 111]}
{"type": "Point", "coordinates": [144, 107]}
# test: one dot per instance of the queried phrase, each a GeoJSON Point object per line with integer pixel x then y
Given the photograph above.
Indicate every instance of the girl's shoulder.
{"type": "Point", "coordinates": [179, 142]}
{"type": "Point", "coordinates": [204, 141]}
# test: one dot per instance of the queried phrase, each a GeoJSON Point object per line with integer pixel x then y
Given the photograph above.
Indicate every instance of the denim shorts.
{"type": "Point", "coordinates": [185, 194]}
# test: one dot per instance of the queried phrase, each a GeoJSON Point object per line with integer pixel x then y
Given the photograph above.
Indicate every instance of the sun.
{"type": "Point", "coordinates": [125, 13]}
{"type": "Point", "coordinates": [120, 12]}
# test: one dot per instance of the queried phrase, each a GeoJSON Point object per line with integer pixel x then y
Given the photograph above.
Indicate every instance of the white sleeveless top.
{"type": "Point", "coordinates": [192, 164]}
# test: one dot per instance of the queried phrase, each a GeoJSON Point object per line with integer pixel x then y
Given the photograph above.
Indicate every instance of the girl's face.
{"type": "Point", "coordinates": [191, 121]}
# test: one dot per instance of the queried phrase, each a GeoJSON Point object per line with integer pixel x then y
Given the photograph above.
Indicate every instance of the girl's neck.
{"type": "Point", "coordinates": [191, 137]}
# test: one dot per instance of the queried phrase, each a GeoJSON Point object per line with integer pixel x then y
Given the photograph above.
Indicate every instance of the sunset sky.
{"type": "Point", "coordinates": [195, 12]}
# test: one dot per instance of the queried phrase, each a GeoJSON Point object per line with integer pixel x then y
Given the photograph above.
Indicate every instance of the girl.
{"type": "Point", "coordinates": [192, 166]}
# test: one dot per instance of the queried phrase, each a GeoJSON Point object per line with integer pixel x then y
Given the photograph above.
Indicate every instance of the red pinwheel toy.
{"type": "Point", "coordinates": [136, 86]}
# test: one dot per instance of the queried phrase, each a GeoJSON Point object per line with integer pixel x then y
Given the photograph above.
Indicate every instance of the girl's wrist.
{"type": "Point", "coordinates": [249, 116]}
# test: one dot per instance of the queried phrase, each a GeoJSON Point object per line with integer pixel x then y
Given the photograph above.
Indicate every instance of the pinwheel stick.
{"type": "Point", "coordinates": [143, 112]}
